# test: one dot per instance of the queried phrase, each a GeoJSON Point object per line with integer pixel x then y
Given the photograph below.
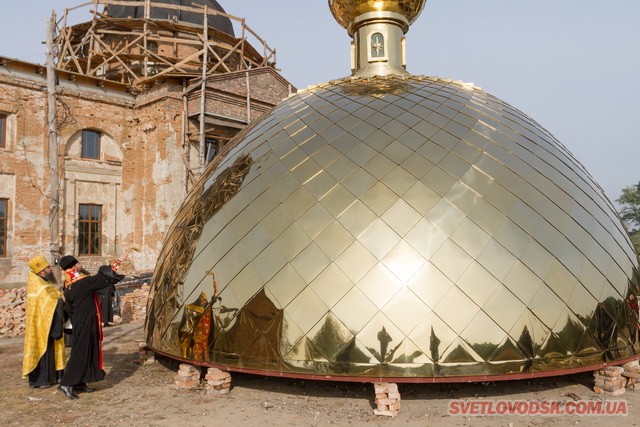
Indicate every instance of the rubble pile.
{"type": "Point", "coordinates": [12, 312]}
{"type": "Point", "coordinates": [133, 307]}
{"type": "Point", "coordinates": [387, 399]}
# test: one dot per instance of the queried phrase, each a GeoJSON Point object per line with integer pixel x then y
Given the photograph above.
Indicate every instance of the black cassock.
{"type": "Point", "coordinates": [45, 373]}
{"type": "Point", "coordinates": [106, 302]}
{"type": "Point", "coordinates": [82, 303]}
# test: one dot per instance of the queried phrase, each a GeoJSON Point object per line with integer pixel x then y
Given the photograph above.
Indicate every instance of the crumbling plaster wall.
{"type": "Point", "coordinates": [138, 179]}
{"type": "Point", "coordinates": [24, 175]}
{"type": "Point", "coordinates": [161, 184]}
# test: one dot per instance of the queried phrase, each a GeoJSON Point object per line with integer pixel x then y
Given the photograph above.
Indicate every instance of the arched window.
{"type": "Point", "coordinates": [152, 46]}
{"type": "Point", "coordinates": [90, 144]}
{"type": "Point", "coordinates": [377, 45]}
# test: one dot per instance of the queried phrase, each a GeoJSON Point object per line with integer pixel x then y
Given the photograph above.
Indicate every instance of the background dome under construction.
{"type": "Point", "coordinates": [394, 226]}
{"type": "Point", "coordinates": [137, 12]}
{"type": "Point", "coordinates": [138, 42]}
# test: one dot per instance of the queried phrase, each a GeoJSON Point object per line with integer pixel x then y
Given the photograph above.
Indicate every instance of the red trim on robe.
{"type": "Point", "coordinates": [96, 300]}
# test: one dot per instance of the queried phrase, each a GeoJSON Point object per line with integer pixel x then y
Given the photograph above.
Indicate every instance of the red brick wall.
{"type": "Point", "coordinates": [140, 178]}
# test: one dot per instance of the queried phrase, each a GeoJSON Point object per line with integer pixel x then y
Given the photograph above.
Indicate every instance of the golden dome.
{"type": "Point", "coordinates": [346, 11]}
{"type": "Point", "coordinates": [396, 228]}
{"type": "Point", "coordinates": [407, 228]}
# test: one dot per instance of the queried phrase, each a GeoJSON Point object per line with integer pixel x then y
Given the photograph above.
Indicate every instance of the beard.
{"type": "Point", "coordinates": [51, 278]}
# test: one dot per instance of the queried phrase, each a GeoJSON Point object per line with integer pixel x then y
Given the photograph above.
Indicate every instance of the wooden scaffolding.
{"type": "Point", "coordinates": [136, 51]}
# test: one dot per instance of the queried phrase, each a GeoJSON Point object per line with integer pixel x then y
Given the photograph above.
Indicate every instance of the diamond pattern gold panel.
{"type": "Point", "coordinates": [404, 227]}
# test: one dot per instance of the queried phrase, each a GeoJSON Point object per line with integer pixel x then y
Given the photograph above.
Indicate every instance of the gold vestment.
{"type": "Point", "coordinates": [42, 298]}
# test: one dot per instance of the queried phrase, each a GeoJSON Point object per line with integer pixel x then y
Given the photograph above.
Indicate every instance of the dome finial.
{"type": "Point", "coordinates": [378, 28]}
{"type": "Point", "coordinates": [346, 12]}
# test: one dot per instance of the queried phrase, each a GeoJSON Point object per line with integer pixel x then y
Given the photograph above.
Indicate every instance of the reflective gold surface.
{"type": "Point", "coordinates": [389, 227]}
{"type": "Point", "coordinates": [345, 11]}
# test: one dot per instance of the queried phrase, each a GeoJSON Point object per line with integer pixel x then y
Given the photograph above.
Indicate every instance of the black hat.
{"type": "Point", "coordinates": [67, 261]}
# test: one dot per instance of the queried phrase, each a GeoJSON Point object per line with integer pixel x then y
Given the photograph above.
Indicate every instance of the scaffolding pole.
{"type": "Point", "coordinates": [203, 89]}
{"type": "Point", "coordinates": [54, 173]}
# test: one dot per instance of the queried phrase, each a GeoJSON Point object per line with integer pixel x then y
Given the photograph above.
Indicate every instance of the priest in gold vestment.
{"type": "Point", "coordinates": [43, 356]}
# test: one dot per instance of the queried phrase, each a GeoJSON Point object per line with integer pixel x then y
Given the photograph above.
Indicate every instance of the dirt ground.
{"type": "Point", "coordinates": [137, 394]}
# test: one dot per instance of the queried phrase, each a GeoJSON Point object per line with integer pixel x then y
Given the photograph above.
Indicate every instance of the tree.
{"type": "Point", "coordinates": [630, 212]}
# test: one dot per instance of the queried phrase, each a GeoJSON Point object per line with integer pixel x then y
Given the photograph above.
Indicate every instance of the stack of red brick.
{"type": "Point", "coordinates": [188, 376]}
{"type": "Point", "coordinates": [387, 399]}
{"type": "Point", "coordinates": [609, 381]}
{"type": "Point", "coordinates": [218, 382]}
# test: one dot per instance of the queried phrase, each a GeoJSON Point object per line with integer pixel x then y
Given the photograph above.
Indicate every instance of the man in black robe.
{"type": "Point", "coordinates": [83, 306]}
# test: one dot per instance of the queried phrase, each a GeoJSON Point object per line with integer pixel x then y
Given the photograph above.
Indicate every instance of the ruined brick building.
{"type": "Point", "coordinates": [99, 147]}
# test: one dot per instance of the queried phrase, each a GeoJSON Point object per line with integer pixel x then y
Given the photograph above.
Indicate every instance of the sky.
{"type": "Point", "coordinates": [571, 65]}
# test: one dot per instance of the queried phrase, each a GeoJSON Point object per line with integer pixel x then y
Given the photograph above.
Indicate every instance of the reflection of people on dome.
{"type": "Point", "coordinates": [434, 343]}
{"type": "Point", "coordinates": [215, 284]}
{"type": "Point", "coordinates": [525, 343]}
{"type": "Point", "coordinates": [190, 336]}
{"type": "Point", "coordinates": [631, 306]}
{"type": "Point", "coordinates": [224, 316]}
{"type": "Point", "coordinates": [196, 325]}
{"type": "Point", "coordinates": [385, 339]}
{"type": "Point", "coordinates": [606, 329]}
{"type": "Point", "coordinates": [260, 316]}
{"type": "Point", "coordinates": [219, 192]}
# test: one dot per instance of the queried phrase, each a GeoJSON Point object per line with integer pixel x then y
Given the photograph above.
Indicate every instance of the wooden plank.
{"type": "Point", "coordinates": [116, 57]}
{"type": "Point", "coordinates": [184, 61]}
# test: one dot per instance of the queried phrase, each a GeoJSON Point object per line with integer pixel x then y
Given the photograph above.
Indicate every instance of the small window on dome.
{"type": "Point", "coordinates": [377, 46]}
